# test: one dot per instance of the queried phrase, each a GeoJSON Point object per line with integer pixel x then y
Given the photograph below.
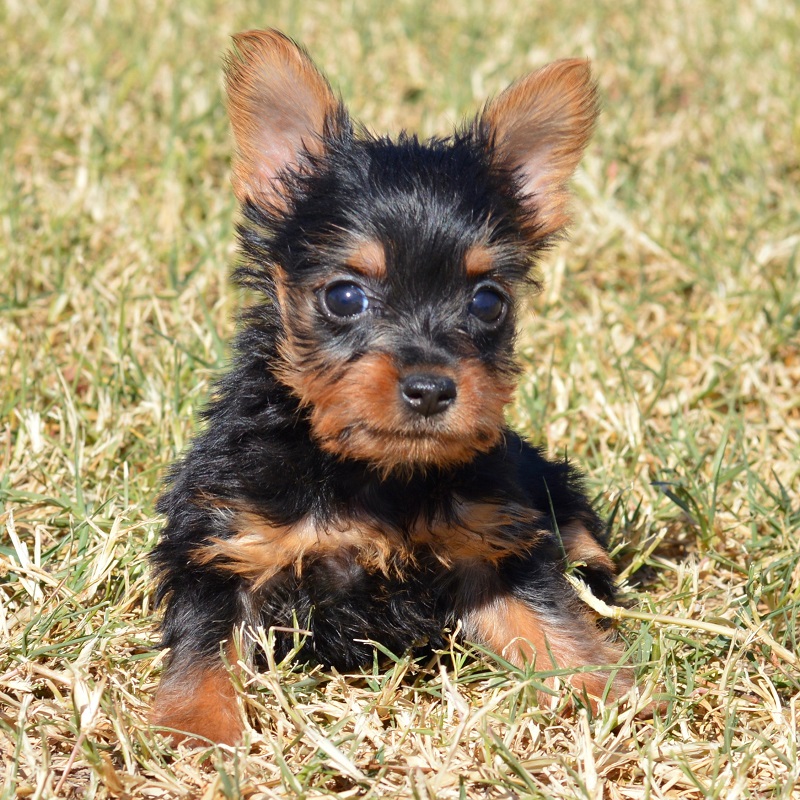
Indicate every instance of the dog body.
{"type": "Point", "coordinates": [356, 477]}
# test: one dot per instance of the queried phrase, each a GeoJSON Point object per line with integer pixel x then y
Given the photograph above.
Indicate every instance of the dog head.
{"type": "Point", "coordinates": [393, 267]}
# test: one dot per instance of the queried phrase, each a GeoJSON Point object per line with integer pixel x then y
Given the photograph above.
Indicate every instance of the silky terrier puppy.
{"type": "Point", "coordinates": [355, 477]}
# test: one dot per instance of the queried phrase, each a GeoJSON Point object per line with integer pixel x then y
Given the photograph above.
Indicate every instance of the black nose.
{"type": "Point", "coordinates": [428, 394]}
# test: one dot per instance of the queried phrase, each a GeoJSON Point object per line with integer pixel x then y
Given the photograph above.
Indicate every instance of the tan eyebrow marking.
{"type": "Point", "coordinates": [368, 258]}
{"type": "Point", "coordinates": [478, 261]}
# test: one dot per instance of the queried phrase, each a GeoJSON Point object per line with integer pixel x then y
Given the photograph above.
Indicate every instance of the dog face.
{"type": "Point", "coordinates": [398, 307]}
{"type": "Point", "coordinates": [393, 267]}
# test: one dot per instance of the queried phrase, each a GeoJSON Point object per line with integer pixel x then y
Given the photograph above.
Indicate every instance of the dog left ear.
{"type": "Point", "coordinates": [539, 128]}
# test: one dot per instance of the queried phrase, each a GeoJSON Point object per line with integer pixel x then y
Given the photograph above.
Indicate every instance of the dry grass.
{"type": "Point", "coordinates": [664, 355]}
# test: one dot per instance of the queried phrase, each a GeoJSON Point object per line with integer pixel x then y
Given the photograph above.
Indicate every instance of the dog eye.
{"type": "Point", "coordinates": [488, 306]}
{"type": "Point", "coordinates": [345, 300]}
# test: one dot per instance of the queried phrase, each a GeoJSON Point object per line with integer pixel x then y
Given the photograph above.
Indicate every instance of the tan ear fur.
{"type": "Point", "coordinates": [540, 126]}
{"type": "Point", "coordinates": [278, 105]}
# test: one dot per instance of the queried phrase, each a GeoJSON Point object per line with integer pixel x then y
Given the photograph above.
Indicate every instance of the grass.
{"type": "Point", "coordinates": [663, 355]}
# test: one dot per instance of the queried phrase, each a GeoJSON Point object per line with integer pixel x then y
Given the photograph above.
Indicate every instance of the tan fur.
{"type": "Point", "coordinates": [300, 354]}
{"type": "Point", "coordinates": [279, 105]}
{"type": "Point", "coordinates": [200, 700]}
{"type": "Point", "coordinates": [523, 635]}
{"type": "Point", "coordinates": [368, 258]}
{"type": "Point", "coordinates": [484, 532]}
{"type": "Point", "coordinates": [357, 412]}
{"type": "Point", "coordinates": [478, 261]}
{"type": "Point", "coordinates": [259, 549]}
{"type": "Point", "coordinates": [582, 548]}
{"type": "Point", "coordinates": [541, 125]}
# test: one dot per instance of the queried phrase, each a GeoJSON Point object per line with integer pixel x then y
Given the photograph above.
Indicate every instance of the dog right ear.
{"type": "Point", "coordinates": [280, 108]}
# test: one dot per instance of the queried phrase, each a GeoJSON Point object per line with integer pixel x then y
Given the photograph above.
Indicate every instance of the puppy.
{"type": "Point", "coordinates": [355, 475]}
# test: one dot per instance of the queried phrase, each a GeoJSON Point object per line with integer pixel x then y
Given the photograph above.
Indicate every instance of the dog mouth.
{"type": "Point", "coordinates": [422, 447]}
{"type": "Point", "coordinates": [431, 432]}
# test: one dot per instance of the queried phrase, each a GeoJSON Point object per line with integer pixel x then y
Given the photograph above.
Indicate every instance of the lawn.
{"type": "Point", "coordinates": [663, 356]}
